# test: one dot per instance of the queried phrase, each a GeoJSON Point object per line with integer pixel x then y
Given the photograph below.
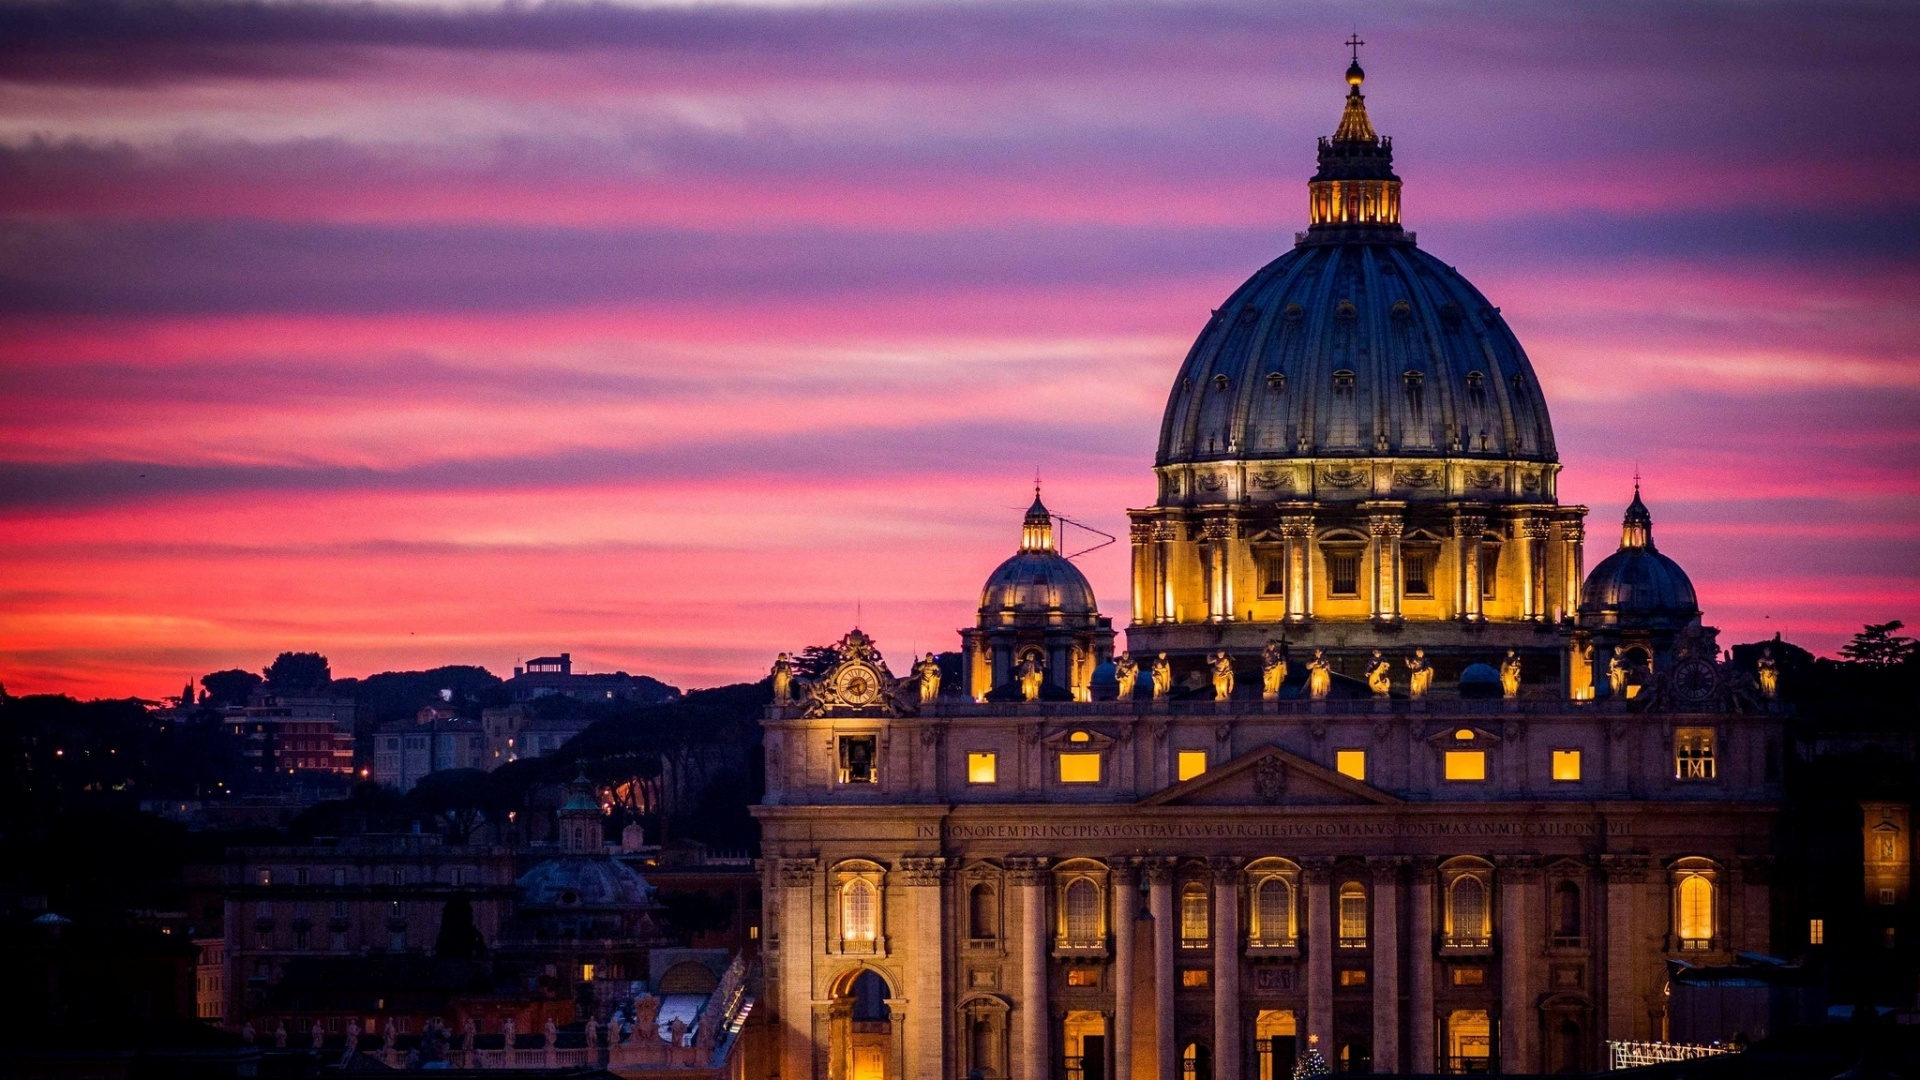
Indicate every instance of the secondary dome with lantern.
{"type": "Point", "coordinates": [1037, 579]}
{"type": "Point", "coordinates": [1638, 586]}
{"type": "Point", "coordinates": [1356, 342]}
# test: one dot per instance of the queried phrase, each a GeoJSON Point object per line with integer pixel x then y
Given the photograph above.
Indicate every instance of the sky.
{"type": "Point", "coordinates": [674, 335]}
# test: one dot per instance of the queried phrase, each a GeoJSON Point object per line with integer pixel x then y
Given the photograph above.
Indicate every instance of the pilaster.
{"type": "Point", "coordinates": [1317, 877]}
{"type": "Point", "coordinates": [797, 881]}
{"type": "Point", "coordinates": [1420, 1026]}
{"type": "Point", "coordinates": [1516, 877]}
{"type": "Point", "coordinates": [926, 1026]}
{"type": "Point", "coordinates": [1029, 877]}
{"type": "Point", "coordinates": [1159, 874]}
{"type": "Point", "coordinates": [1386, 963]}
{"type": "Point", "coordinates": [1125, 900]}
{"type": "Point", "coordinates": [1227, 1041]}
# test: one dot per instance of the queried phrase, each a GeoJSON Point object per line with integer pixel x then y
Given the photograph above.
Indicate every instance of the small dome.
{"type": "Point", "coordinates": [584, 881]}
{"type": "Point", "coordinates": [1480, 681]}
{"type": "Point", "coordinates": [1037, 580]}
{"type": "Point", "coordinates": [1637, 586]}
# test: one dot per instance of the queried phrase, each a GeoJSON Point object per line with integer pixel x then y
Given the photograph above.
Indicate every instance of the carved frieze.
{"type": "Point", "coordinates": [1343, 477]}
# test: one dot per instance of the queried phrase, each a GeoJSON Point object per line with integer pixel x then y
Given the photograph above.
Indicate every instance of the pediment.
{"type": "Point", "coordinates": [1270, 776]}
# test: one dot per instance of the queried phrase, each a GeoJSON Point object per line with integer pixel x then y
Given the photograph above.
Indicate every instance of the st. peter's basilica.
{"type": "Point", "coordinates": [1382, 775]}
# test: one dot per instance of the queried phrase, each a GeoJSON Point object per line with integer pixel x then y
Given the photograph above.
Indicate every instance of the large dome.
{"type": "Point", "coordinates": [1037, 579]}
{"type": "Point", "coordinates": [1356, 346]}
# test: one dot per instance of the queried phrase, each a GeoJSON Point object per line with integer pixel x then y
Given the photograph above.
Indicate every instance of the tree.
{"type": "Point", "coordinates": [230, 687]}
{"type": "Point", "coordinates": [298, 672]}
{"type": "Point", "coordinates": [460, 798]}
{"type": "Point", "coordinates": [1879, 645]}
{"type": "Point", "coordinates": [459, 938]}
{"type": "Point", "coordinates": [815, 661]}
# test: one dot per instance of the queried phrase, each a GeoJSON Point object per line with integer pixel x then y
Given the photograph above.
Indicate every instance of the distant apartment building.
{"type": "Point", "coordinates": [546, 675]}
{"type": "Point", "coordinates": [210, 980]}
{"type": "Point", "coordinates": [282, 734]}
{"type": "Point", "coordinates": [512, 733]}
{"type": "Point", "coordinates": [435, 739]}
{"type": "Point", "coordinates": [351, 896]}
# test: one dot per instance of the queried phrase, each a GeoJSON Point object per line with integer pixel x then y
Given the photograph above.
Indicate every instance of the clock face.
{"type": "Point", "coordinates": [857, 686]}
{"type": "Point", "coordinates": [1694, 680]}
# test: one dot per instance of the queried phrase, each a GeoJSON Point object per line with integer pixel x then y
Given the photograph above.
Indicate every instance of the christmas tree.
{"type": "Point", "coordinates": [1311, 1063]}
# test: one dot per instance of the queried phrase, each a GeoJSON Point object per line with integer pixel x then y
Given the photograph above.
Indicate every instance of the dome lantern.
{"type": "Point", "coordinates": [1036, 532]}
{"type": "Point", "coordinates": [1355, 185]}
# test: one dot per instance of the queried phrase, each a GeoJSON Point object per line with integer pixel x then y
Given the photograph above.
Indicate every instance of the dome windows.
{"type": "Point", "coordinates": [1294, 313]}
{"type": "Point", "coordinates": [1343, 380]}
{"type": "Point", "coordinates": [1249, 315]}
{"type": "Point", "coordinates": [1221, 382]}
{"type": "Point", "coordinates": [1276, 382]}
{"type": "Point", "coordinates": [1345, 311]}
{"type": "Point", "coordinates": [1401, 310]}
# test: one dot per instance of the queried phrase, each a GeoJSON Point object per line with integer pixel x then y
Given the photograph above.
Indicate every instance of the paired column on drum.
{"type": "Point", "coordinates": [1296, 530]}
{"type": "Point", "coordinates": [1217, 550]}
{"type": "Point", "coordinates": [1385, 524]}
{"type": "Point", "coordinates": [1468, 532]}
{"type": "Point", "coordinates": [1573, 535]}
{"type": "Point", "coordinates": [1029, 877]}
{"type": "Point", "coordinates": [1532, 533]}
{"type": "Point", "coordinates": [1226, 965]}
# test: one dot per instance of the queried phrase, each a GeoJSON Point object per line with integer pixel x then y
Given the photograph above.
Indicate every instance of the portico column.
{"type": "Point", "coordinates": [926, 1020]}
{"type": "Point", "coordinates": [1386, 964]}
{"type": "Point", "coordinates": [1126, 887]}
{"type": "Point", "coordinates": [1622, 1002]}
{"type": "Point", "coordinates": [1318, 876]}
{"type": "Point", "coordinates": [1226, 966]}
{"type": "Point", "coordinates": [1516, 948]}
{"type": "Point", "coordinates": [1420, 971]}
{"type": "Point", "coordinates": [1160, 904]}
{"type": "Point", "coordinates": [1030, 878]}
{"type": "Point", "coordinates": [1297, 530]}
{"type": "Point", "coordinates": [1468, 530]}
{"type": "Point", "coordinates": [796, 968]}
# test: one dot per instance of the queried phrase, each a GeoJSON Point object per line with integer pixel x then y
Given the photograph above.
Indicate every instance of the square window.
{"type": "Point", "coordinates": [1083, 976]}
{"type": "Point", "coordinates": [1192, 977]}
{"type": "Point", "coordinates": [1192, 763]}
{"type": "Point", "coordinates": [1566, 764]}
{"type": "Point", "coordinates": [1466, 765]}
{"type": "Point", "coordinates": [1351, 763]}
{"type": "Point", "coordinates": [1080, 768]}
{"type": "Point", "coordinates": [983, 767]}
{"type": "Point", "coordinates": [1693, 754]}
{"type": "Point", "coordinates": [1353, 977]}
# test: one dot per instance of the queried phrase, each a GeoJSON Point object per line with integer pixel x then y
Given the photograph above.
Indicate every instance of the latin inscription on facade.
{"type": "Point", "coordinates": [1264, 830]}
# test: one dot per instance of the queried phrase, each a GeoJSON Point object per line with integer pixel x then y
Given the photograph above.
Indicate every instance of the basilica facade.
{"type": "Point", "coordinates": [1382, 775]}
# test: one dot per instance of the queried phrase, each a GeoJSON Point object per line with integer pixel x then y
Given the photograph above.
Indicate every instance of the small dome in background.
{"type": "Point", "coordinates": [584, 881]}
{"type": "Point", "coordinates": [1637, 586]}
{"type": "Point", "coordinates": [1037, 580]}
{"type": "Point", "coordinates": [1480, 681]}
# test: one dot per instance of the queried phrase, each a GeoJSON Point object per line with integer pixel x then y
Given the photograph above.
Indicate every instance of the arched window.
{"type": "Point", "coordinates": [1467, 912]}
{"type": "Point", "coordinates": [1566, 912]}
{"type": "Point", "coordinates": [1193, 915]}
{"type": "Point", "coordinates": [1196, 1062]}
{"type": "Point", "coordinates": [1693, 905]}
{"type": "Point", "coordinates": [870, 993]}
{"type": "Point", "coordinates": [1353, 915]}
{"type": "Point", "coordinates": [1083, 911]}
{"type": "Point", "coordinates": [1273, 911]}
{"type": "Point", "coordinates": [859, 911]}
{"type": "Point", "coordinates": [982, 913]}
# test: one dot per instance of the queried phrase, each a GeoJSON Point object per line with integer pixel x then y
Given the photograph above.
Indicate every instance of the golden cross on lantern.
{"type": "Point", "coordinates": [1354, 43]}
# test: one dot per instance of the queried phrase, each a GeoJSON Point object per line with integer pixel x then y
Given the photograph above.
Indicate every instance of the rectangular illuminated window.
{"type": "Point", "coordinates": [1816, 931]}
{"type": "Point", "coordinates": [1343, 572]}
{"type": "Point", "coordinates": [859, 759]}
{"type": "Point", "coordinates": [1195, 977]}
{"type": "Point", "coordinates": [983, 767]}
{"type": "Point", "coordinates": [1351, 763]}
{"type": "Point", "coordinates": [1414, 566]}
{"type": "Point", "coordinates": [1693, 754]}
{"type": "Point", "coordinates": [586, 972]}
{"type": "Point", "coordinates": [1353, 977]}
{"type": "Point", "coordinates": [1566, 764]}
{"type": "Point", "coordinates": [1082, 976]}
{"type": "Point", "coordinates": [1273, 573]}
{"type": "Point", "coordinates": [1469, 976]}
{"type": "Point", "coordinates": [1192, 763]}
{"type": "Point", "coordinates": [1080, 768]}
{"type": "Point", "coordinates": [1466, 764]}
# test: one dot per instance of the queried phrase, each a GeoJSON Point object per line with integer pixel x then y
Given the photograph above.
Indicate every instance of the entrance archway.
{"type": "Point", "coordinates": [1469, 1041]}
{"type": "Point", "coordinates": [1274, 1034]}
{"type": "Point", "coordinates": [1084, 1041]}
{"type": "Point", "coordinates": [1196, 1062]}
{"type": "Point", "coordinates": [861, 1028]}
